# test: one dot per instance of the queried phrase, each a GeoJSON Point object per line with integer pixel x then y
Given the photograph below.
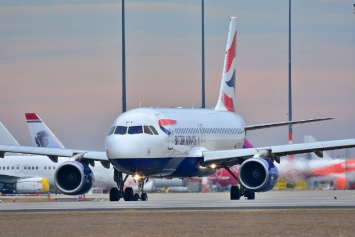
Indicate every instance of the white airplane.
{"type": "Point", "coordinates": [23, 174]}
{"type": "Point", "coordinates": [178, 143]}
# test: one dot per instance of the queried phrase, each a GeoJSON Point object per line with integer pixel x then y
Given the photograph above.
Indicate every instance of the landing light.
{"type": "Point", "coordinates": [213, 166]}
{"type": "Point", "coordinates": [136, 177]}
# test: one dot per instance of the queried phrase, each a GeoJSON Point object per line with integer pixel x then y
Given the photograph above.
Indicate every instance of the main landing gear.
{"type": "Point", "coordinates": [117, 193]}
{"type": "Point", "coordinates": [236, 193]}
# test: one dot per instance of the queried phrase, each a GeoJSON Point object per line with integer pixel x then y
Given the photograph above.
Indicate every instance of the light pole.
{"type": "Point", "coordinates": [203, 54]}
{"type": "Point", "coordinates": [123, 62]}
{"type": "Point", "coordinates": [290, 131]}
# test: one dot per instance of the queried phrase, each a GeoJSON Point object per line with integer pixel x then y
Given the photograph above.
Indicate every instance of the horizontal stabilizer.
{"type": "Point", "coordinates": [270, 125]}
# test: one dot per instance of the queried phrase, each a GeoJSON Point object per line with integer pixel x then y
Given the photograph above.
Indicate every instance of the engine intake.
{"type": "Point", "coordinates": [74, 178]}
{"type": "Point", "coordinates": [258, 175]}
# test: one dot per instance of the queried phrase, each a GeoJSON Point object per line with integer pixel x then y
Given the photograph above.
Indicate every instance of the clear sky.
{"type": "Point", "coordinates": [62, 60]}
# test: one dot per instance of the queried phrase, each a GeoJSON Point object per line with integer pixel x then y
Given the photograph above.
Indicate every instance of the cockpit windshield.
{"type": "Point", "coordinates": [135, 130]}
{"type": "Point", "coordinates": [111, 131]}
{"type": "Point", "coordinates": [120, 130]}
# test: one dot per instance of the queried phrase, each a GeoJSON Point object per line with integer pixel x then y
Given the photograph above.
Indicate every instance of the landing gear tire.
{"type": "Point", "coordinates": [234, 193]}
{"type": "Point", "coordinates": [144, 197]}
{"type": "Point", "coordinates": [114, 194]}
{"type": "Point", "coordinates": [136, 197]}
{"type": "Point", "coordinates": [128, 194]}
{"type": "Point", "coordinates": [250, 195]}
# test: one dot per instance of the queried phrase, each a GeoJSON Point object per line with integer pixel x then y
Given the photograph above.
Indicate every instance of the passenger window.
{"type": "Point", "coordinates": [111, 131]}
{"type": "Point", "coordinates": [154, 130]}
{"type": "Point", "coordinates": [135, 130]}
{"type": "Point", "coordinates": [147, 130]}
{"type": "Point", "coordinates": [120, 130]}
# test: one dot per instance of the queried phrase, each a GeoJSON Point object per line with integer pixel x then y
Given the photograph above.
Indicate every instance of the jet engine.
{"type": "Point", "coordinates": [32, 185]}
{"type": "Point", "coordinates": [258, 175]}
{"type": "Point", "coordinates": [74, 178]}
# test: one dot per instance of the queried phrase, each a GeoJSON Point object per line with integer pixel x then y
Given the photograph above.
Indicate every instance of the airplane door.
{"type": "Point", "coordinates": [25, 169]}
{"type": "Point", "coordinates": [202, 135]}
{"type": "Point", "coordinates": [171, 140]}
{"type": "Point", "coordinates": [17, 169]}
{"type": "Point", "coordinates": [166, 127]}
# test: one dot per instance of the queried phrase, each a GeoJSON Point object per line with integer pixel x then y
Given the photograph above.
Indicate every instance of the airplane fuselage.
{"type": "Point", "coordinates": [170, 142]}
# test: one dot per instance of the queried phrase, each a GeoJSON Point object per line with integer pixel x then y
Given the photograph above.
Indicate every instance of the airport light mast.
{"type": "Point", "coordinates": [290, 131]}
{"type": "Point", "coordinates": [123, 62]}
{"type": "Point", "coordinates": [203, 54]}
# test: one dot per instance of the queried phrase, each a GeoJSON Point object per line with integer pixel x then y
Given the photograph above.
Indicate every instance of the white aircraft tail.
{"type": "Point", "coordinates": [309, 139]}
{"type": "Point", "coordinates": [227, 98]}
{"type": "Point", "coordinates": [6, 137]}
{"type": "Point", "coordinates": [41, 135]}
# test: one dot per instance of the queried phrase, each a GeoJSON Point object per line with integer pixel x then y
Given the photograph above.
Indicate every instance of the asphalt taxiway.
{"type": "Point", "coordinates": [189, 201]}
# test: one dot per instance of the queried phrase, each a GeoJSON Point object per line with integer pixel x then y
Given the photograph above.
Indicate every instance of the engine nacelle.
{"type": "Point", "coordinates": [32, 185]}
{"type": "Point", "coordinates": [258, 175]}
{"type": "Point", "coordinates": [74, 178]}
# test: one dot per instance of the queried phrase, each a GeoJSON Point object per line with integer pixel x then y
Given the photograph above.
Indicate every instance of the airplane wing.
{"type": "Point", "coordinates": [270, 125]}
{"type": "Point", "coordinates": [231, 157]}
{"type": "Point", "coordinates": [55, 152]}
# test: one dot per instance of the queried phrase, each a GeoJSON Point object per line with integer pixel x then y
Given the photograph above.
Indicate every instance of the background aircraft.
{"type": "Point", "coordinates": [174, 142]}
{"type": "Point", "coordinates": [336, 173]}
{"type": "Point", "coordinates": [42, 136]}
{"type": "Point", "coordinates": [23, 173]}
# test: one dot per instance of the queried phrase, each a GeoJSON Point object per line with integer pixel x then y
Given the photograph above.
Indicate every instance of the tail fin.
{"type": "Point", "coordinates": [227, 91]}
{"type": "Point", "coordinates": [41, 135]}
{"type": "Point", "coordinates": [6, 138]}
{"type": "Point", "coordinates": [247, 144]}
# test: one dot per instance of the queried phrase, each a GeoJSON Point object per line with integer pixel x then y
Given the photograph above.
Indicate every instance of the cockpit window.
{"type": "Point", "coordinates": [154, 130]}
{"type": "Point", "coordinates": [111, 131]}
{"type": "Point", "coordinates": [135, 130]}
{"type": "Point", "coordinates": [120, 130]}
{"type": "Point", "coordinates": [147, 130]}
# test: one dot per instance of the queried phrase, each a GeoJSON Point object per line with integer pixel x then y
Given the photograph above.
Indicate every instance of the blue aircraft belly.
{"type": "Point", "coordinates": [156, 167]}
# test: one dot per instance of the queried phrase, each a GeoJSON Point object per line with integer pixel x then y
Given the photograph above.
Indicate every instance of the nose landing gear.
{"type": "Point", "coordinates": [141, 195]}
{"type": "Point", "coordinates": [117, 193]}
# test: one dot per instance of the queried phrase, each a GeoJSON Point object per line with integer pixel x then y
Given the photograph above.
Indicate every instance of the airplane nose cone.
{"type": "Point", "coordinates": [123, 148]}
